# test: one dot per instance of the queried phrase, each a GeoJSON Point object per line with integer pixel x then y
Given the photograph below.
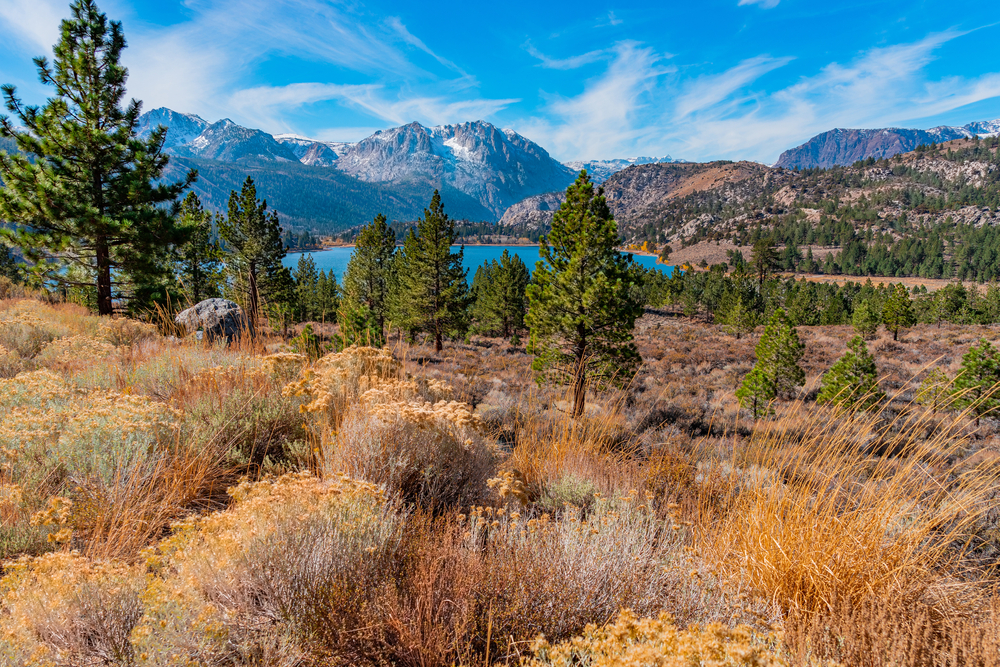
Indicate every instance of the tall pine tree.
{"type": "Point", "coordinates": [581, 308]}
{"type": "Point", "coordinates": [85, 190]}
{"type": "Point", "coordinates": [777, 370]}
{"type": "Point", "coordinates": [897, 311]}
{"type": "Point", "coordinates": [200, 265]}
{"type": "Point", "coordinates": [307, 296]}
{"type": "Point", "coordinates": [498, 292]}
{"type": "Point", "coordinates": [253, 239]}
{"type": "Point", "coordinates": [432, 289]}
{"type": "Point", "coordinates": [369, 276]}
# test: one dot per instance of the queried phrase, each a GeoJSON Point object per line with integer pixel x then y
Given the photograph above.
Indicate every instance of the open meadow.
{"type": "Point", "coordinates": [171, 502]}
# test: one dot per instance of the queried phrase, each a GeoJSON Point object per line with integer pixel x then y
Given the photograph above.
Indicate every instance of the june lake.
{"type": "Point", "coordinates": [475, 255]}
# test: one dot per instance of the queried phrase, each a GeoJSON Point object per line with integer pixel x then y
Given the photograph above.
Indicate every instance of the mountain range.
{"type": "Point", "coordinates": [844, 146]}
{"type": "Point", "coordinates": [480, 169]}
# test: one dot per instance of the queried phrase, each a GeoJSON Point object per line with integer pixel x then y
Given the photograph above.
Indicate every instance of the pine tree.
{"type": "Point", "coordinates": [498, 295]}
{"type": "Point", "coordinates": [866, 318]}
{"type": "Point", "coordinates": [200, 267]}
{"type": "Point", "coordinates": [85, 190]}
{"type": "Point", "coordinates": [432, 289]}
{"type": "Point", "coordinates": [777, 369]}
{"type": "Point", "coordinates": [369, 276]}
{"type": "Point", "coordinates": [581, 308]}
{"type": "Point", "coordinates": [764, 260]}
{"type": "Point", "coordinates": [975, 385]}
{"type": "Point", "coordinates": [756, 392]}
{"type": "Point", "coordinates": [328, 292]}
{"type": "Point", "coordinates": [306, 288]}
{"type": "Point", "coordinates": [9, 266]}
{"type": "Point", "coordinates": [253, 239]}
{"type": "Point", "coordinates": [897, 311]}
{"type": "Point", "coordinates": [852, 382]}
{"type": "Point", "coordinates": [740, 319]}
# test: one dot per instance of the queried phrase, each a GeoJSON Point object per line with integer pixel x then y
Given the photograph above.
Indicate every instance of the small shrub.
{"type": "Point", "coordinates": [631, 642]}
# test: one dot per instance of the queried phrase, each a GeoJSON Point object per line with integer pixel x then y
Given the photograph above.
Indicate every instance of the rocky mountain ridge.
{"type": "Point", "coordinates": [847, 146]}
{"type": "Point", "coordinates": [493, 167]}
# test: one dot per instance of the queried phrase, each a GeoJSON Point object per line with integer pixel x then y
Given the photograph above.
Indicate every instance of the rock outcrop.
{"type": "Point", "coordinates": [215, 318]}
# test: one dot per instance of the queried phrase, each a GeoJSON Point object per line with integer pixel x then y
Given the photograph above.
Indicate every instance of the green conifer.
{"type": "Point", "coordinates": [852, 382]}
{"type": "Point", "coordinates": [897, 311]}
{"type": "Point", "coordinates": [200, 268]}
{"type": "Point", "coordinates": [581, 308]}
{"type": "Point", "coordinates": [432, 288]}
{"type": "Point", "coordinates": [498, 295]}
{"type": "Point", "coordinates": [84, 189]}
{"type": "Point", "coordinates": [253, 241]}
{"type": "Point", "coordinates": [975, 385]}
{"type": "Point", "coordinates": [777, 369]}
{"type": "Point", "coordinates": [756, 392]}
{"type": "Point", "coordinates": [866, 318]}
{"type": "Point", "coordinates": [368, 278]}
{"type": "Point", "coordinates": [307, 296]}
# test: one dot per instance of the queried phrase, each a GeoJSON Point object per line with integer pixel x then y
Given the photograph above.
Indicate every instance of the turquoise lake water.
{"type": "Point", "coordinates": [475, 255]}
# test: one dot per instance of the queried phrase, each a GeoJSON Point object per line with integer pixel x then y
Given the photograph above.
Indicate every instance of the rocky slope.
{"type": "Point", "coordinates": [843, 146]}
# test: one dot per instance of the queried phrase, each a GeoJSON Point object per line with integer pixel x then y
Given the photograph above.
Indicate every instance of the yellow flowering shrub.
{"type": "Point", "coordinates": [124, 332]}
{"type": "Point", "coordinates": [338, 377]}
{"type": "Point", "coordinates": [57, 440]}
{"type": "Point", "coordinates": [433, 453]}
{"type": "Point", "coordinates": [657, 642]}
{"type": "Point", "coordinates": [297, 550]}
{"type": "Point", "coordinates": [64, 609]}
{"type": "Point", "coordinates": [76, 353]}
{"type": "Point", "coordinates": [23, 330]}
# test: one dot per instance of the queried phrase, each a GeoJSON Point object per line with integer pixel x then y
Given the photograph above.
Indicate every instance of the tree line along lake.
{"type": "Point", "coordinates": [337, 258]}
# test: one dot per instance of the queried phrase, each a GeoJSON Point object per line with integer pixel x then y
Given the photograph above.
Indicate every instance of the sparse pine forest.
{"type": "Point", "coordinates": [581, 462]}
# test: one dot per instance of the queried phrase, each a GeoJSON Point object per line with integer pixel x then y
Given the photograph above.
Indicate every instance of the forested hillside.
{"type": "Point", "coordinates": [931, 213]}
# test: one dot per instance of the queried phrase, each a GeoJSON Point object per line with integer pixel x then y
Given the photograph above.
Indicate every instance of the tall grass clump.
{"type": "Point", "coordinates": [856, 510]}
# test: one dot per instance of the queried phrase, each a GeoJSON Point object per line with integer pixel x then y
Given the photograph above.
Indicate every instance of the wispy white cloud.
{"type": "Point", "coordinates": [613, 20]}
{"type": "Point", "coordinates": [573, 62]}
{"type": "Point", "coordinates": [636, 107]}
{"type": "Point", "coordinates": [269, 103]}
{"type": "Point", "coordinates": [33, 23]}
{"type": "Point", "coordinates": [607, 114]}
{"type": "Point", "coordinates": [397, 25]}
{"type": "Point", "coordinates": [707, 91]}
{"type": "Point", "coordinates": [763, 4]}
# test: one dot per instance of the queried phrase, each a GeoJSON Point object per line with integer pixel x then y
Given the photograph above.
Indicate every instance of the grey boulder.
{"type": "Point", "coordinates": [216, 318]}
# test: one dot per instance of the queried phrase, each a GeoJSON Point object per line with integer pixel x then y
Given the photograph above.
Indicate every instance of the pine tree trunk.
{"type": "Point", "coordinates": [438, 343]}
{"type": "Point", "coordinates": [895, 334]}
{"type": "Point", "coordinates": [104, 304]}
{"type": "Point", "coordinates": [579, 390]}
{"type": "Point", "coordinates": [254, 298]}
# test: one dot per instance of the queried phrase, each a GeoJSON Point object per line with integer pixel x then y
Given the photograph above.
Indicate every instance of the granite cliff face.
{"type": "Point", "coordinates": [496, 167]}
{"type": "Point", "coordinates": [844, 147]}
{"type": "Point", "coordinates": [182, 128]}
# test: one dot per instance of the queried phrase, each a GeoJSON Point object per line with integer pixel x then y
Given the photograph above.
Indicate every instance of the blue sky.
{"type": "Point", "coordinates": [727, 79]}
